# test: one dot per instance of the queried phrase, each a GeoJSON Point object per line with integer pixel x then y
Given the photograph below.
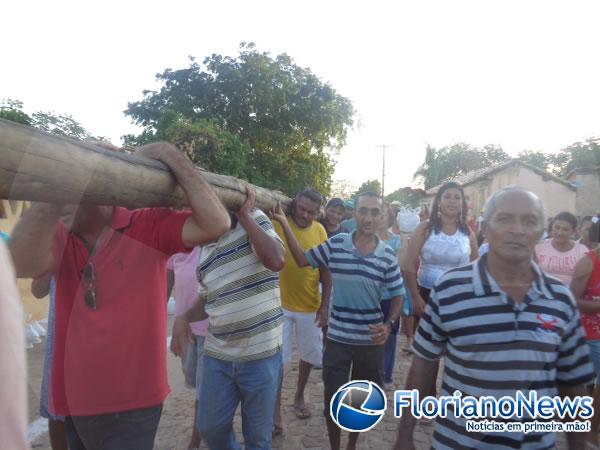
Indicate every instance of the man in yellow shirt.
{"type": "Point", "coordinates": [305, 309]}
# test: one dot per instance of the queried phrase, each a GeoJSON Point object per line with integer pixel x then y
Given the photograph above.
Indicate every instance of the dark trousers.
{"type": "Point", "coordinates": [365, 362]}
{"type": "Point", "coordinates": [389, 357]}
{"type": "Point", "coordinates": [128, 430]}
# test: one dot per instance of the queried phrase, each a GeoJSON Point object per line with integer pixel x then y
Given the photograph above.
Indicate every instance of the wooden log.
{"type": "Point", "coordinates": [39, 166]}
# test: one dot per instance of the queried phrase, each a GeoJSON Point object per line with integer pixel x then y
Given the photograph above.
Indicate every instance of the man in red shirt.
{"type": "Point", "coordinates": [109, 369]}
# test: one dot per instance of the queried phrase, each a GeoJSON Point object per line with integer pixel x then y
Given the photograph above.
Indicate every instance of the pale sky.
{"type": "Point", "coordinates": [519, 74]}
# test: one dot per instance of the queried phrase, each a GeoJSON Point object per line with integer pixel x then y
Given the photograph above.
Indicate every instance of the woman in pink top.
{"type": "Point", "coordinates": [188, 342]}
{"type": "Point", "coordinates": [586, 290]}
{"type": "Point", "coordinates": [558, 255]}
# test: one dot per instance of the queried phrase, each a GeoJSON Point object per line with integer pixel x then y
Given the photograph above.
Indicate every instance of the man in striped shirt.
{"type": "Point", "coordinates": [239, 294]}
{"type": "Point", "coordinates": [503, 325]}
{"type": "Point", "coordinates": [362, 267]}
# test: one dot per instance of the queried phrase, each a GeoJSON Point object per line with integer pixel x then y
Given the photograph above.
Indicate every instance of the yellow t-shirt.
{"type": "Point", "coordinates": [300, 286]}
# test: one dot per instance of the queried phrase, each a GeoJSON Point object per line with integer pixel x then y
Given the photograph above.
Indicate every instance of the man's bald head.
{"type": "Point", "coordinates": [513, 222]}
{"type": "Point", "coordinates": [491, 204]}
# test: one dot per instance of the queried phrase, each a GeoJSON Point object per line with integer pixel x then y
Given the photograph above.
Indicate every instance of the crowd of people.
{"type": "Point", "coordinates": [504, 306]}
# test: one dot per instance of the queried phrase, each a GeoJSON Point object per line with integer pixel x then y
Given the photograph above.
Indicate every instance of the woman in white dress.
{"type": "Point", "coordinates": [441, 243]}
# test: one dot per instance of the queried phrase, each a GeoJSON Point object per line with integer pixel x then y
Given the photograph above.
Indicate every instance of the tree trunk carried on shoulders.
{"type": "Point", "coordinates": [39, 166]}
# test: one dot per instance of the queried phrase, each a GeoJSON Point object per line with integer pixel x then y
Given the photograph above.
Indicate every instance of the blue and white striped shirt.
{"type": "Point", "coordinates": [493, 346]}
{"type": "Point", "coordinates": [359, 283]}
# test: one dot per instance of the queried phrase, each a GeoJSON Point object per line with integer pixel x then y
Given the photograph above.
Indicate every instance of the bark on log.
{"type": "Point", "coordinates": [39, 166]}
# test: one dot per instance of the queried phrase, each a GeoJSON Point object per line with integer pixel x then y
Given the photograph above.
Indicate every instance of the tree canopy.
{"type": "Point", "coordinates": [60, 124]}
{"type": "Point", "coordinates": [290, 123]}
{"type": "Point", "coordinates": [13, 110]}
{"type": "Point", "coordinates": [370, 186]}
{"type": "Point", "coordinates": [452, 161]}
{"type": "Point", "coordinates": [406, 196]}
{"type": "Point", "coordinates": [455, 160]}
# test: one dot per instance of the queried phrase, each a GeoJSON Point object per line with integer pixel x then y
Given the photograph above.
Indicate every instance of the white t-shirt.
{"type": "Point", "coordinates": [13, 372]}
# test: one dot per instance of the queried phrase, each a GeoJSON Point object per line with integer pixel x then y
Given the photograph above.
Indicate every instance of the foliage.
{"type": "Point", "coordinates": [579, 154]}
{"type": "Point", "coordinates": [406, 196]}
{"type": "Point", "coordinates": [61, 124]}
{"type": "Point", "coordinates": [291, 121]}
{"type": "Point", "coordinates": [452, 161]}
{"type": "Point", "coordinates": [370, 186]}
{"type": "Point", "coordinates": [537, 159]}
{"type": "Point", "coordinates": [13, 110]}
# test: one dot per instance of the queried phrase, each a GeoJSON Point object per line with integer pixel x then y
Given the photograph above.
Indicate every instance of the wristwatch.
{"type": "Point", "coordinates": [393, 324]}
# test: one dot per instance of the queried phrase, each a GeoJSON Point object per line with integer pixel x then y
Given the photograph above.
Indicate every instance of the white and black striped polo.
{"type": "Point", "coordinates": [494, 346]}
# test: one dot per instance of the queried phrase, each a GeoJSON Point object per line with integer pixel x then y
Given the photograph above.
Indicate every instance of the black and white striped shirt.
{"type": "Point", "coordinates": [494, 346]}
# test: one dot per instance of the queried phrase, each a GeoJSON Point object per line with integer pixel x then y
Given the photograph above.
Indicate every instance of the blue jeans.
{"type": "Point", "coordinates": [224, 385]}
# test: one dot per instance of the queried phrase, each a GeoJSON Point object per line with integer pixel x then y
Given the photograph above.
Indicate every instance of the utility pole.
{"type": "Point", "coordinates": [383, 147]}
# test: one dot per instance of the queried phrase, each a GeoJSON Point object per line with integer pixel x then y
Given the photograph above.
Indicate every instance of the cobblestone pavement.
{"type": "Point", "coordinates": [312, 433]}
{"type": "Point", "coordinates": [176, 423]}
{"type": "Point", "coordinates": [304, 433]}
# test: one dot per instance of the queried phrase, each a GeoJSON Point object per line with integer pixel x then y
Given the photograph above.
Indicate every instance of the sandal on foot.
{"type": "Point", "coordinates": [302, 412]}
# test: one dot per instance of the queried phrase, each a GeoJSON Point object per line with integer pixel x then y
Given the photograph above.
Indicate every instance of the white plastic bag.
{"type": "Point", "coordinates": [407, 219]}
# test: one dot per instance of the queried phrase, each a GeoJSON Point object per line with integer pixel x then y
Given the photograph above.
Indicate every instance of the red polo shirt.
{"type": "Point", "coordinates": [114, 358]}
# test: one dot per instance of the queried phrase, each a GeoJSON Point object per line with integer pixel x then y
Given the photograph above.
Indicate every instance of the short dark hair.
{"type": "Point", "coordinates": [365, 194]}
{"type": "Point", "coordinates": [566, 216]}
{"type": "Point", "coordinates": [312, 195]}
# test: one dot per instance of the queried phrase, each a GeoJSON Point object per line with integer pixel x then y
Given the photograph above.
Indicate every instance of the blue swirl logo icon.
{"type": "Point", "coordinates": [358, 406]}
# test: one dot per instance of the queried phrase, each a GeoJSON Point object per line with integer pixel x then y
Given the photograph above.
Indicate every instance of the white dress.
{"type": "Point", "coordinates": [440, 253]}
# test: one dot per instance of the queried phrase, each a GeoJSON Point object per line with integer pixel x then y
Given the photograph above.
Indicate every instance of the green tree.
{"type": "Point", "coordinates": [537, 159]}
{"type": "Point", "coordinates": [458, 159]}
{"type": "Point", "coordinates": [13, 110]}
{"type": "Point", "coordinates": [60, 124]}
{"type": "Point", "coordinates": [431, 171]}
{"type": "Point", "coordinates": [579, 154]}
{"type": "Point", "coordinates": [293, 122]}
{"type": "Point", "coordinates": [203, 141]}
{"type": "Point", "coordinates": [406, 196]}
{"type": "Point", "coordinates": [369, 186]}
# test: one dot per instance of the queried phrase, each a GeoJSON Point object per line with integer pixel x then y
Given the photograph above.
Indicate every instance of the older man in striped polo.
{"type": "Point", "coordinates": [502, 326]}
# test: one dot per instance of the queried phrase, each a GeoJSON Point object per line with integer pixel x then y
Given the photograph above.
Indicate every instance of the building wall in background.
{"type": "Point", "coordinates": [588, 189]}
{"type": "Point", "coordinates": [556, 196]}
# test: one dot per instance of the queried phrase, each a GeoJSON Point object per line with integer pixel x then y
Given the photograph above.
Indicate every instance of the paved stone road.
{"type": "Point", "coordinates": [175, 426]}
{"type": "Point", "coordinates": [312, 433]}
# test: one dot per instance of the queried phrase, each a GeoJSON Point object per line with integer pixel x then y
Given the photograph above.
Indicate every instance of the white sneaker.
{"type": "Point", "coordinates": [31, 335]}
{"type": "Point", "coordinates": [40, 330]}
